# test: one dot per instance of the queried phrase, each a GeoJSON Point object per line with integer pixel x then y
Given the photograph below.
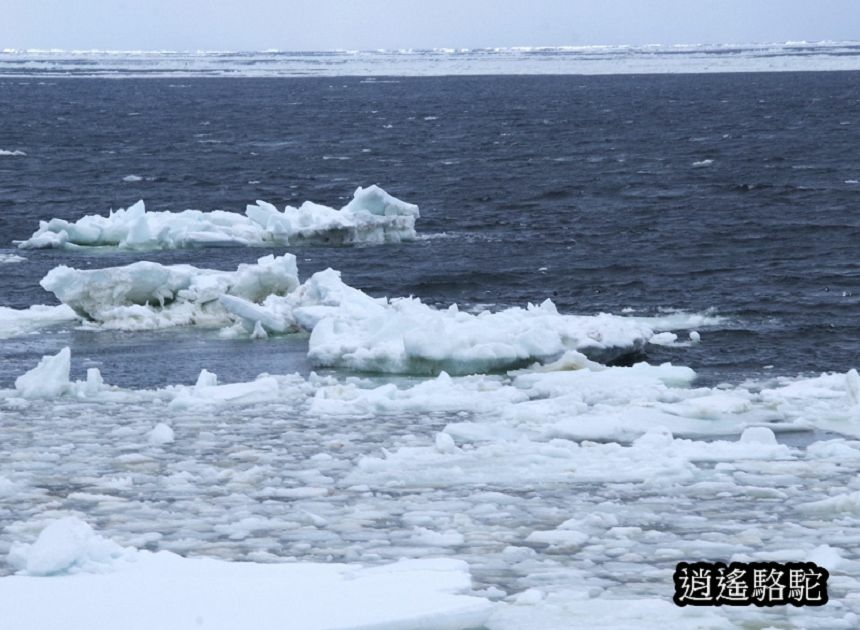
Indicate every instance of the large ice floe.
{"type": "Point", "coordinates": [92, 582]}
{"type": "Point", "coordinates": [372, 216]}
{"type": "Point", "coordinates": [348, 328]}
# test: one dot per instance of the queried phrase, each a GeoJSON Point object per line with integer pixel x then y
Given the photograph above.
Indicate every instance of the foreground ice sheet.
{"type": "Point", "coordinates": [95, 583]}
{"type": "Point", "coordinates": [570, 489]}
{"type": "Point", "coordinates": [372, 216]}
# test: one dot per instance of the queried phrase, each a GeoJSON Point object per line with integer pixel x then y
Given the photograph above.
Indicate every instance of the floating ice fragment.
{"type": "Point", "coordinates": [66, 545]}
{"type": "Point", "coordinates": [48, 379]}
{"type": "Point", "coordinates": [758, 435]}
{"type": "Point", "coordinates": [161, 434]}
{"type": "Point", "coordinates": [445, 443]}
{"type": "Point", "coordinates": [570, 360]}
{"type": "Point", "coordinates": [206, 379]}
{"type": "Point", "coordinates": [852, 386]}
{"type": "Point", "coordinates": [566, 539]}
{"type": "Point", "coordinates": [94, 383]}
{"type": "Point", "coordinates": [7, 487]}
{"type": "Point", "coordinates": [449, 538]}
{"type": "Point", "coordinates": [259, 332]}
{"type": "Point", "coordinates": [844, 502]}
{"type": "Point", "coordinates": [529, 597]}
{"type": "Point", "coordinates": [825, 556]}
{"type": "Point", "coordinates": [663, 339]}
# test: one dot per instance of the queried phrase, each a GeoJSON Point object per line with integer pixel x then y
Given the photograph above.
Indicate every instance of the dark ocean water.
{"type": "Point", "coordinates": [593, 178]}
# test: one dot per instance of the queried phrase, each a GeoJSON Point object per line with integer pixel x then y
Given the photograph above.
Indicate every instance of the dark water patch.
{"type": "Point", "coordinates": [591, 178]}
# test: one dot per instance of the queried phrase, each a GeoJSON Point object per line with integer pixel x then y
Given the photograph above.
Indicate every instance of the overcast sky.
{"type": "Point", "coordinates": [368, 24]}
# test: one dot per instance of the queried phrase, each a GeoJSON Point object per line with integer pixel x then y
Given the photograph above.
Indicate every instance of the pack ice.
{"type": "Point", "coordinates": [541, 480]}
{"type": "Point", "coordinates": [372, 216]}
{"type": "Point", "coordinates": [348, 328]}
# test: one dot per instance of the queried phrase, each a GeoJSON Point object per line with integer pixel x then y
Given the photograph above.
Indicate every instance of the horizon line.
{"type": "Point", "coordinates": [437, 49]}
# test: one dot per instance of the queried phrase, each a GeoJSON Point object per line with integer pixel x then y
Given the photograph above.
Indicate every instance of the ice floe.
{"type": "Point", "coordinates": [93, 582]}
{"type": "Point", "coordinates": [7, 259]}
{"type": "Point", "coordinates": [348, 328]}
{"type": "Point", "coordinates": [21, 321]}
{"type": "Point", "coordinates": [372, 216]}
{"type": "Point", "coordinates": [146, 295]}
{"type": "Point", "coordinates": [352, 330]}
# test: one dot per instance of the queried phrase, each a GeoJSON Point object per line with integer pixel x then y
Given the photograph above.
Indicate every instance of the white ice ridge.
{"type": "Point", "coordinates": [372, 216]}
{"type": "Point", "coordinates": [92, 582]}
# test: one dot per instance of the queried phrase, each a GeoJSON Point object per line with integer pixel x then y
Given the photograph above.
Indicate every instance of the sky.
{"type": "Point", "coordinates": [372, 24]}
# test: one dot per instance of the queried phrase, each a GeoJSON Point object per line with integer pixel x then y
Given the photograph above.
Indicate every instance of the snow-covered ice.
{"type": "Point", "coordinates": [372, 216]}
{"type": "Point", "coordinates": [95, 583]}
